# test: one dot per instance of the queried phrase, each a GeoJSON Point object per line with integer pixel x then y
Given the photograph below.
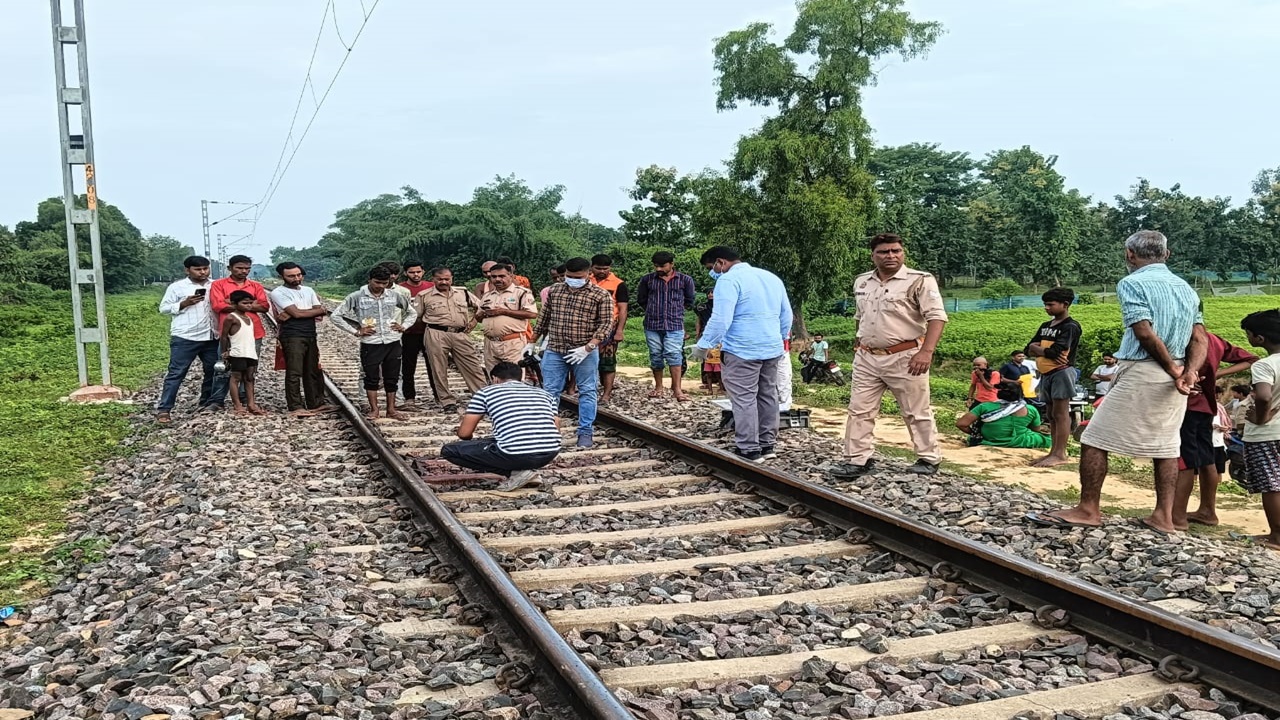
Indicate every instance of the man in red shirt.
{"type": "Point", "coordinates": [414, 338]}
{"type": "Point", "coordinates": [1197, 454]}
{"type": "Point", "coordinates": [238, 268]}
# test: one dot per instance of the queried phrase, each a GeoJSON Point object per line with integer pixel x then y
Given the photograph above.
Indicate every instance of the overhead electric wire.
{"type": "Point", "coordinates": [277, 176]}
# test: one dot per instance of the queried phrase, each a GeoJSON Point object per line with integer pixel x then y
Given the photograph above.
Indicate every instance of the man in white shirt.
{"type": "Point", "coordinates": [296, 309]}
{"type": "Point", "coordinates": [190, 337]}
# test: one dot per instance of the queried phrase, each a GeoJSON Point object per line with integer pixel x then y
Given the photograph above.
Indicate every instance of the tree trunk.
{"type": "Point", "coordinates": [798, 329]}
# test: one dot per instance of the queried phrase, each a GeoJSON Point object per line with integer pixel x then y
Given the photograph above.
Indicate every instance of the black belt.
{"type": "Point", "coordinates": [444, 328]}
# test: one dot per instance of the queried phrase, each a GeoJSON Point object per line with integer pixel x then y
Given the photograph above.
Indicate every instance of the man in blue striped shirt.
{"type": "Point", "coordinates": [752, 317]}
{"type": "Point", "coordinates": [1163, 347]}
{"type": "Point", "coordinates": [526, 430]}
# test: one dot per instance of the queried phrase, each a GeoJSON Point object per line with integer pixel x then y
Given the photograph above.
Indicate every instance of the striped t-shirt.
{"type": "Point", "coordinates": [1155, 294]}
{"type": "Point", "coordinates": [523, 417]}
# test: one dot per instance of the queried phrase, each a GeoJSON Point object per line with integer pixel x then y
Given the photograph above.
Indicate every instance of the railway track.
{"type": "Point", "coordinates": [657, 577]}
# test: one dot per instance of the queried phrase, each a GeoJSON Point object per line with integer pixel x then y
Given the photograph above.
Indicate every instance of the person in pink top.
{"type": "Point", "coordinates": [557, 276]}
{"type": "Point", "coordinates": [982, 382]}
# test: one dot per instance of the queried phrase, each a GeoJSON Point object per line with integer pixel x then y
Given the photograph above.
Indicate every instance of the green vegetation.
{"type": "Point", "coordinates": [36, 251]}
{"type": "Point", "coordinates": [48, 443]}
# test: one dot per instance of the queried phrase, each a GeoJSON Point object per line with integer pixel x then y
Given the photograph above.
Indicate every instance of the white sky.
{"type": "Point", "coordinates": [192, 100]}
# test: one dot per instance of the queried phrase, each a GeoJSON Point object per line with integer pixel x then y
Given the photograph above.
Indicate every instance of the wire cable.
{"type": "Point", "coordinates": [283, 165]}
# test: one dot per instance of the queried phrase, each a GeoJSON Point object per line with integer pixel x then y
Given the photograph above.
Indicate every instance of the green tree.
{"type": "Point", "coordinates": [806, 167]}
{"type": "Point", "coordinates": [924, 197]}
{"type": "Point", "coordinates": [1198, 228]}
{"type": "Point", "coordinates": [164, 258]}
{"type": "Point", "coordinates": [45, 240]}
{"type": "Point", "coordinates": [1030, 219]}
{"type": "Point", "coordinates": [663, 214]}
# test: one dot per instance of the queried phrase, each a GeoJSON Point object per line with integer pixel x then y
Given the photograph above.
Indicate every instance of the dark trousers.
{"type": "Point", "coordinates": [302, 374]}
{"type": "Point", "coordinates": [414, 347]}
{"type": "Point", "coordinates": [381, 364]}
{"type": "Point", "coordinates": [183, 352]}
{"type": "Point", "coordinates": [484, 456]}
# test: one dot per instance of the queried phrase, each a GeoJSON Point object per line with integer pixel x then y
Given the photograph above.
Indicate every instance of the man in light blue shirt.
{"type": "Point", "coordinates": [1164, 346]}
{"type": "Point", "coordinates": [752, 317]}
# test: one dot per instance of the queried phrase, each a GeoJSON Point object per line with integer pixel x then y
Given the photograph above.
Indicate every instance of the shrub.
{"type": "Point", "coordinates": [1000, 289]}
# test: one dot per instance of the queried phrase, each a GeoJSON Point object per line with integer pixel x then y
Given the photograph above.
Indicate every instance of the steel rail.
{"type": "Point", "coordinates": [565, 667]}
{"type": "Point", "coordinates": [1191, 649]}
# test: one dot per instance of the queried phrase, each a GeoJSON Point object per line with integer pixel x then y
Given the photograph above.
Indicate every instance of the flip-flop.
{"type": "Point", "coordinates": [1047, 520]}
{"type": "Point", "coordinates": [683, 398]}
{"type": "Point", "coordinates": [1245, 537]}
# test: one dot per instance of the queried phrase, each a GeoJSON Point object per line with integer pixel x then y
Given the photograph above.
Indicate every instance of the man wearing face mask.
{"type": "Point", "coordinates": [575, 320]}
{"type": "Point", "coordinates": [665, 295]}
{"type": "Point", "coordinates": [750, 320]}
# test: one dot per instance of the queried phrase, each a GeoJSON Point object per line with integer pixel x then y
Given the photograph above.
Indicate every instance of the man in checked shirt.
{"type": "Point", "coordinates": [574, 320]}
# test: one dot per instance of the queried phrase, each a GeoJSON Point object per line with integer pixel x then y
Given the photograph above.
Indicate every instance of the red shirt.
{"type": "Point", "coordinates": [220, 302]}
{"type": "Point", "coordinates": [418, 327]}
{"type": "Point", "coordinates": [1220, 351]}
{"type": "Point", "coordinates": [980, 393]}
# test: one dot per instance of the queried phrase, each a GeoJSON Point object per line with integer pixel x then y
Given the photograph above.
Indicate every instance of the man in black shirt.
{"type": "Point", "coordinates": [1054, 348]}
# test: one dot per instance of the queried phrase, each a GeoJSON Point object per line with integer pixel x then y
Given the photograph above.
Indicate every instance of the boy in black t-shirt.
{"type": "Point", "coordinates": [1054, 348]}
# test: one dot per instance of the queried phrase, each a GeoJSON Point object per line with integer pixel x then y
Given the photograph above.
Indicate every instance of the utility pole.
{"type": "Point", "coordinates": [77, 150]}
{"type": "Point", "coordinates": [204, 219]}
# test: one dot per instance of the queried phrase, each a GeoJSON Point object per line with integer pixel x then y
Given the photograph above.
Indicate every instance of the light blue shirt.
{"type": "Point", "coordinates": [1154, 294]}
{"type": "Point", "coordinates": [752, 314]}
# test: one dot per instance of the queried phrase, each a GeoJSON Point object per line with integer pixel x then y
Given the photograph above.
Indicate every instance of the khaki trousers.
{"type": "Point", "coordinates": [872, 375]}
{"type": "Point", "coordinates": [496, 351]}
{"type": "Point", "coordinates": [441, 347]}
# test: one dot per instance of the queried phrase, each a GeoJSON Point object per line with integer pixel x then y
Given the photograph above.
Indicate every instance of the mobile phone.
{"type": "Point", "coordinates": [200, 291]}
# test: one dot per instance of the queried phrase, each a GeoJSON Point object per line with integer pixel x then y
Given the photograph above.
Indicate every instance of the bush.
{"type": "Point", "coordinates": [1000, 289]}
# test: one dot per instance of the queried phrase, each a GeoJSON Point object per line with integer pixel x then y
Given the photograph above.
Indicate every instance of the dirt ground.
{"type": "Point", "coordinates": [1009, 466]}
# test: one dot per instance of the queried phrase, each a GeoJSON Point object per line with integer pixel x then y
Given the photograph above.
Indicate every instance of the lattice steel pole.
{"type": "Point", "coordinates": [204, 218]}
{"type": "Point", "coordinates": [77, 150]}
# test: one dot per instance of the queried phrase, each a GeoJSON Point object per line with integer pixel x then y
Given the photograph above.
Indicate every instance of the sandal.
{"type": "Point", "coordinates": [164, 418]}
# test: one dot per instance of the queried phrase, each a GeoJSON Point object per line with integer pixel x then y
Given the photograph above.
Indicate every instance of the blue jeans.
{"type": "Point", "coordinates": [666, 348]}
{"type": "Point", "coordinates": [183, 352]}
{"type": "Point", "coordinates": [555, 373]}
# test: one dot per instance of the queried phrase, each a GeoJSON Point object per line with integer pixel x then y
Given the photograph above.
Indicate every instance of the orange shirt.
{"type": "Point", "coordinates": [220, 302]}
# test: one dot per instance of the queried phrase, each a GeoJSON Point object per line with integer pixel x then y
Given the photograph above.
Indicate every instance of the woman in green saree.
{"type": "Point", "coordinates": [1009, 422]}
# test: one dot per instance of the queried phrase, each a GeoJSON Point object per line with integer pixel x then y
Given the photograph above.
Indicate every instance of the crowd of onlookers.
{"type": "Point", "coordinates": [1155, 397]}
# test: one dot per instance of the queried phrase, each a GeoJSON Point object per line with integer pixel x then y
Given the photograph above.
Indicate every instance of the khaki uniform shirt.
{"type": "Point", "coordinates": [896, 310]}
{"type": "Point", "coordinates": [513, 298]}
{"type": "Point", "coordinates": [453, 310]}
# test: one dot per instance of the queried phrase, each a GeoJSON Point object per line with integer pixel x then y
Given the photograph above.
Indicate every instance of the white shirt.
{"type": "Point", "coordinates": [192, 322]}
{"type": "Point", "coordinates": [1266, 370]}
{"type": "Point", "coordinates": [1106, 371]}
{"type": "Point", "coordinates": [302, 298]}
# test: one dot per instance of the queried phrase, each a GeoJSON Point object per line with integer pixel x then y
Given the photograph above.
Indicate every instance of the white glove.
{"type": "Point", "coordinates": [529, 350]}
{"type": "Point", "coordinates": [698, 354]}
{"type": "Point", "coordinates": [577, 355]}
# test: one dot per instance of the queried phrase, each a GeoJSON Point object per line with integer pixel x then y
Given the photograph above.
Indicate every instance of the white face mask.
{"type": "Point", "coordinates": [575, 282]}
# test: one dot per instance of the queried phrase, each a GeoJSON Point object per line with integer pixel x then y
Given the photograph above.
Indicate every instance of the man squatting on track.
{"type": "Point", "coordinates": [526, 429]}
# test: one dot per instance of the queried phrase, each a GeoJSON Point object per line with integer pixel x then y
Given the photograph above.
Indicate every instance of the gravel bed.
{"type": "Point", "coordinates": [588, 554]}
{"type": "Point", "coordinates": [209, 589]}
{"type": "Point", "coordinates": [634, 520]}
{"type": "Point", "coordinates": [788, 628]}
{"type": "Point", "coordinates": [826, 690]}
{"type": "Point", "coordinates": [604, 495]}
{"type": "Point", "coordinates": [721, 583]}
{"type": "Point", "coordinates": [1235, 585]}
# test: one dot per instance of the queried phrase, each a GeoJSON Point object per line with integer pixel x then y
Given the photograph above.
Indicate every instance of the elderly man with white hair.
{"type": "Point", "coordinates": [1163, 346]}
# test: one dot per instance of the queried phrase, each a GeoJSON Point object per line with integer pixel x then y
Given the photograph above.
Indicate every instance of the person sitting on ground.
{"type": "Point", "coordinates": [526, 430]}
{"type": "Point", "coordinates": [1104, 374]}
{"type": "Point", "coordinates": [982, 382]}
{"type": "Point", "coordinates": [1008, 421]}
{"type": "Point", "coordinates": [239, 351]}
{"type": "Point", "coordinates": [1241, 401]}
{"type": "Point", "coordinates": [1262, 427]}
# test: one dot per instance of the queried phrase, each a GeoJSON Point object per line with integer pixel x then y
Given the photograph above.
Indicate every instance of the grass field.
{"type": "Point", "coordinates": [49, 444]}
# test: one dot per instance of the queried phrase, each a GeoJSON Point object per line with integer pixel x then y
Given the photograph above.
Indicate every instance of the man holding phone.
{"type": "Point", "coordinates": [190, 337]}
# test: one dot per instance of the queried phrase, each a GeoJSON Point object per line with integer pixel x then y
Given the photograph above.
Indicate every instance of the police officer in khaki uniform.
{"type": "Point", "coordinates": [449, 314]}
{"type": "Point", "coordinates": [900, 319]}
{"type": "Point", "coordinates": [505, 312]}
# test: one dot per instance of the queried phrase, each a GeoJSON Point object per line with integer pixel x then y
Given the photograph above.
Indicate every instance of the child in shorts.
{"type": "Point", "coordinates": [239, 351]}
{"type": "Point", "coordinates": [1262, 426]}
